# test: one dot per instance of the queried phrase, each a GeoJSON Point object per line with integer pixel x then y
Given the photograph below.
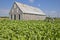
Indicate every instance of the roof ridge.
{"type": "Point", "coordinates": [26, 4]}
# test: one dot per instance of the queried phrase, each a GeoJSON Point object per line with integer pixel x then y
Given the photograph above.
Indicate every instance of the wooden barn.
{"type": "Point", "coordinates": [21, 11]}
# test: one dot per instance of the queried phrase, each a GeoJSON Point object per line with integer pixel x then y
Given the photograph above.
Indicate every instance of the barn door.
{"type": "Point", "coordinates": [11, 16]}
{"type": "Point", "coordinates": [19, 16]}
{"type": "Point", "coordinates": [14, 17]}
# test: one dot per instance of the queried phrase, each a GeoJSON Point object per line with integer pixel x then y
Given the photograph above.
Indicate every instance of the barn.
{"type": "Point", "coordinates": [21, 11]}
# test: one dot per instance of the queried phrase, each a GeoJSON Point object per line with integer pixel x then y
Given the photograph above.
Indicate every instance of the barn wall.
{"type": "Point", "coordinates": [33, 17]}
{"type": "Point", "coordinates": [16, 12]}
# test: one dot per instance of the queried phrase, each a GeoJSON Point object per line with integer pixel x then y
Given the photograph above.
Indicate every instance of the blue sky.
{"type": "Point", "coordinates": [50, 7]}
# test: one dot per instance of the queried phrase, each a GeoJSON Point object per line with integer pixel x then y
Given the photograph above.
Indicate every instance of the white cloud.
{"type": "Point", "coordinates": [52, 13]}
{"type": "Point", "coordinates": [31, 1]}
{"type": "Point", "coordinates": [4, 12]}
{"type": "Point", "coordinates": [39, 5]}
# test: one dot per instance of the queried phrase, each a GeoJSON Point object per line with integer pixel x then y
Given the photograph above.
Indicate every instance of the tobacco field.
{"type": "Point", "coordinates": [29, 30]}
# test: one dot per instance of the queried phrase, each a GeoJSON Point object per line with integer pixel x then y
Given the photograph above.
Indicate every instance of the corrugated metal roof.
{"type": "Point", "coordinates": [29, 9]}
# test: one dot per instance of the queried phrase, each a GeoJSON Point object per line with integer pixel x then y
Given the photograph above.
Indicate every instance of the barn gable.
{"type": "Point", "coordinates": [15, 10]}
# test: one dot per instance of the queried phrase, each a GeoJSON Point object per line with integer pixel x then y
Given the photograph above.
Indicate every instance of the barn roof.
{"type": "Point", "coordinates": [29, 9]}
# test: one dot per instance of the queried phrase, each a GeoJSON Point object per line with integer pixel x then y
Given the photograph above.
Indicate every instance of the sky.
{"type": "Point", "coordinates": [49, 7]}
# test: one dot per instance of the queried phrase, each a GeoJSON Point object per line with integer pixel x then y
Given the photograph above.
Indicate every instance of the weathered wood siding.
{"type": "Point", "coordinates": [33, 17]}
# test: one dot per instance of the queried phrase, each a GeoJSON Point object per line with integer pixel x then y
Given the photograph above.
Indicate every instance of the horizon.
{"type": "Point", "coordinates": [50, 7]}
